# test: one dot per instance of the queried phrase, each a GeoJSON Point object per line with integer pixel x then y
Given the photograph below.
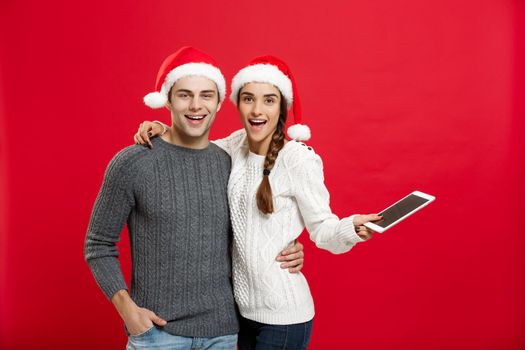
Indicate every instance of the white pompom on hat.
{"type": "Point", "coordinates": [271, 70]}
{"type": "Point", "coordinates": [187, 61]}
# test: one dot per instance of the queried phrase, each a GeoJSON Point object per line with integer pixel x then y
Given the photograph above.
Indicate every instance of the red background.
{"type": "Point", "coordinates": [400, 95]}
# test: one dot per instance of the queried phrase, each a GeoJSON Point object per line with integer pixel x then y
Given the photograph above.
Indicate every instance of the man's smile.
{"type": "Point", "coordinates": [195, 117]}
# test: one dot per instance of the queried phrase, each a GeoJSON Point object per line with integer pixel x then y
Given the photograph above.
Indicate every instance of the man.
{"type": "Point", "coordinates": [173, 198]}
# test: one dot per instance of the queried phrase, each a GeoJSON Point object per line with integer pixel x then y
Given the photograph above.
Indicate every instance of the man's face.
{"type": "Point", "coordinates": [194, 104]}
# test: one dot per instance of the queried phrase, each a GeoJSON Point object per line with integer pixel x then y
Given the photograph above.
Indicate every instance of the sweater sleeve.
{"type": "Point", "coordinates": [231, 142]}
{"type": "Point", "coordinates": [110, 213]}
{"type": "Point", "coordinates": [325, 229]}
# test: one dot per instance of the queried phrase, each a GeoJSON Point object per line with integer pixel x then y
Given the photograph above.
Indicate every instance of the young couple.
{"type": "Point", "coordinates": [179, 196]}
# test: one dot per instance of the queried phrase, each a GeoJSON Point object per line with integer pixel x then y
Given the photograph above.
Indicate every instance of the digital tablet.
{"type": "Point", "coordinates": [400, 211]}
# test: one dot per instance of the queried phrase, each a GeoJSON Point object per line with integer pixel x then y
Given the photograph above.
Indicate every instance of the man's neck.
{"type": "Point", "coordinates": [178, 138]}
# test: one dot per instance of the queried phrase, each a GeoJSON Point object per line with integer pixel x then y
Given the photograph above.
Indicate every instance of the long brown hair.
{"type": "Point", "coordinates": [264, 193]}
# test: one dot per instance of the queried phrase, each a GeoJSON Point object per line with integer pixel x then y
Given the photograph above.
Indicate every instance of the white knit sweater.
{"type": "Point", "coordinates": [263, 291]}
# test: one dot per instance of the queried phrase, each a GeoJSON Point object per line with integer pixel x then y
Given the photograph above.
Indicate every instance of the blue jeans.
{"type": "Point", "coordinates": [259, 336]}
{"type": "Point", "coordinates": [156, 338]}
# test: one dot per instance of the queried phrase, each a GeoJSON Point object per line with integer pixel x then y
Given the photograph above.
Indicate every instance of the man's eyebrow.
{"type": "Point", "coordinates": [191, 92]}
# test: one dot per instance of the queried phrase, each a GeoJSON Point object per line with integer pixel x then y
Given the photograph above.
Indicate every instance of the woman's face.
{"type": "Point", "coordinates": [259, 108]}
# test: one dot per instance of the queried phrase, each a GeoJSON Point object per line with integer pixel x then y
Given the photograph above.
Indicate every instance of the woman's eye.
{"type": "Point", "coordinates": [247, 99]}
{"type": "Point", "coordinates": [269, 101]}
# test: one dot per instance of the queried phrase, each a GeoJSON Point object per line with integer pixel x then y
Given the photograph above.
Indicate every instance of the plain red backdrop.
{"type": "Point", "coordinates": [400, 95]}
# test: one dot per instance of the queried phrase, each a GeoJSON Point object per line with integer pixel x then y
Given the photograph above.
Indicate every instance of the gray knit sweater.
{"type": "Point", "coordinates": [174, 202]}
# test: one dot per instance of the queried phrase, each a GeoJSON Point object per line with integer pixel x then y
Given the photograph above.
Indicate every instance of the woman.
{"type": "Point", "coordinates": [275, 189]}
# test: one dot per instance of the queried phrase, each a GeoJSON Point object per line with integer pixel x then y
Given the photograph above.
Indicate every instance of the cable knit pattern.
{"type": "Point", "coordinates": [264, 292]}
{"type": "Point", "coordinates": [174, 202]}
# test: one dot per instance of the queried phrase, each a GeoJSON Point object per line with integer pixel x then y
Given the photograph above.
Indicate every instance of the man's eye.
{"type": "Point", "coordinates": [183, 95]}
{"type": "Point", "coordinates": [207, 96]}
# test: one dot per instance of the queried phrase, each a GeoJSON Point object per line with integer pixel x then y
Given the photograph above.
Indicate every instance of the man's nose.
{"type": "Point", "coordinates": [195, 104]}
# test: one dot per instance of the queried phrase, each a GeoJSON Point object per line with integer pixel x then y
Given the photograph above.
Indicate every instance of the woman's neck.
{"type": "Point", "coordinates": [261, 148]}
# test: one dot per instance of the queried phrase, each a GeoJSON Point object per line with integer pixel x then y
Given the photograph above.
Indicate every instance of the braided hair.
{"type": "Point", "coordinates": [264, 192]}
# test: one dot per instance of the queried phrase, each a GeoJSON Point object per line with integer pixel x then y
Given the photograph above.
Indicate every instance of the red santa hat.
{"type": "Point", "coordinates": [271, 70]}
{"type": "Point", "coordinates": [188, 61]}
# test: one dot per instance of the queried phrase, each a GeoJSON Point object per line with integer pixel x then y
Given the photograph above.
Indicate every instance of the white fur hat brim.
{"type": "Point", "coordinates": [159, 99]}
{"type": "Point", "coordinates": [262, 73]}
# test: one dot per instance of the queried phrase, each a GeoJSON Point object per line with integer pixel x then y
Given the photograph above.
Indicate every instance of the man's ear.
{"type": "Point", "coordinates": [168, 105]}
{"type": "Point", "coordinates": [219, 106]}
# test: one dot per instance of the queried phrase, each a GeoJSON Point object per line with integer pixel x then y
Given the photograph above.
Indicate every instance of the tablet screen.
{"type": "Point", "coordinates": [400, 209]}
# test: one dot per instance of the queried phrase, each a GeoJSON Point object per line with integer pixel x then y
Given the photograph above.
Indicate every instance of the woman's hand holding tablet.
{"type": "Point", "coordinates": [400, 211]}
